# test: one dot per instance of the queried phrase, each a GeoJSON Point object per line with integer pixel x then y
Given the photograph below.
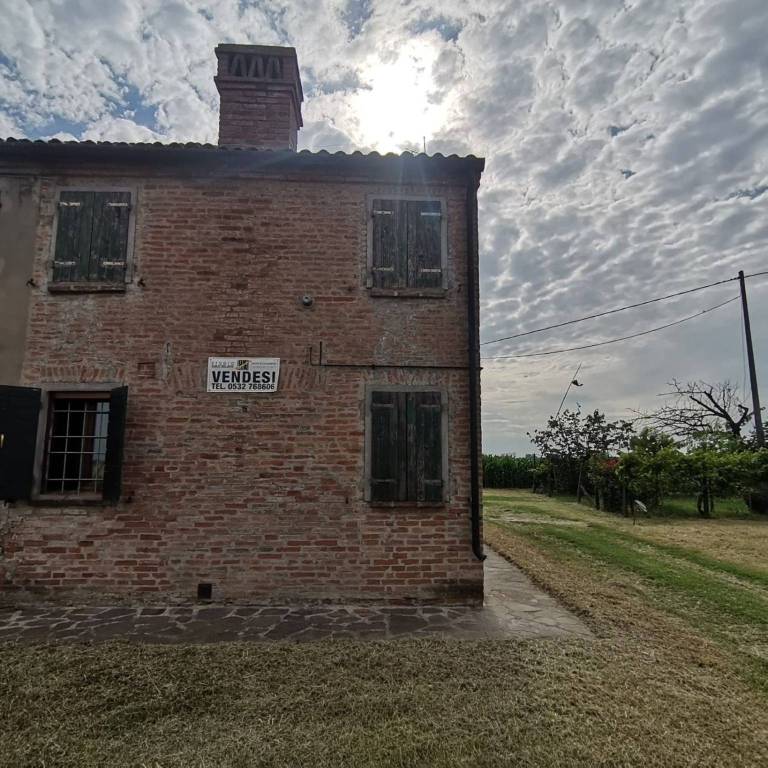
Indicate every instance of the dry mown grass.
{"type": "Point", "coordinates": [646, 649]}
{"type": "Point", "coordinates": [613, 702]}
{"type": "Point", "coordinates": [649, 691]}
{"type": "Point", "coordinates": [745, 543]}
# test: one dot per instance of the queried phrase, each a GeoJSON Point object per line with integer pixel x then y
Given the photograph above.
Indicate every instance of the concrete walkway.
{"type": "Point", "coordinates": [514, 608]}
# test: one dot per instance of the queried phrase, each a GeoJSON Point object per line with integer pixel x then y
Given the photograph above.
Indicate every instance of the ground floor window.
{"type": "Point", "coordinates": [406, 445]}
{"type": "Point", "coordinates": [60, 445]}
{"type": "Point", "coordinates": [76, 447]}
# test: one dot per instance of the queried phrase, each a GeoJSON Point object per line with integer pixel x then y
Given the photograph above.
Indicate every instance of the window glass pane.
{"type": "Point", "coordinates": [72, 466]}
{"type": "Point", "coordinates": [89, 424]}
{"type": "Point", "coordinates": [75, 422]}
{"type": "Point", "coordinates": [56, 466]}
{"type": "Point", "coordinates": [60, 420]}
{"type": "Point", "coordinates": [100, 449]}
{"type": "Point", "coordinates": [100, 428]}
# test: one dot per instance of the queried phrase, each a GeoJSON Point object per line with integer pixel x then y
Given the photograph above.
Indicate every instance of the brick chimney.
{"type": "Point", "coordinates": [261, 96]}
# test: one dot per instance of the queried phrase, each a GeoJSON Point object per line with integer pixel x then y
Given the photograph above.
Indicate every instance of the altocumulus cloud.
{"type": "Point", "coordinates": [627, 147]}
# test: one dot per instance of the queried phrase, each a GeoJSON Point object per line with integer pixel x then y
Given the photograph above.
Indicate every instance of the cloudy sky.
{"type": "Point", "coordinates": [626, 145]}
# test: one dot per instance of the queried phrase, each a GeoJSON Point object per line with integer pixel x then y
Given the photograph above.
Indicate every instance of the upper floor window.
{"type": "Point", "coordinates": [92, 235]}
{"type": "Point", "coordinates": [407, 244]}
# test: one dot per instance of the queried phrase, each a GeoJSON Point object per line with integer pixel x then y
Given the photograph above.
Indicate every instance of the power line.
{"type": "Point", "coordinates": [619, 309]}
{"type": "Point", "coordinates": [613, 341]}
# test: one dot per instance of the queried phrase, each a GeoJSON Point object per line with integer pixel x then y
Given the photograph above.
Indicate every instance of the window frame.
{"type": "Point", "coordinates": [370, 388]}
{"type": "Point", "coordinates": [407, 291]}
{"type": "Point", "coordinates": [54, 397]}
{"type": "Point", "coordinates": [48, 393]}
{"type": "Point", "coordinates": [93, 286]}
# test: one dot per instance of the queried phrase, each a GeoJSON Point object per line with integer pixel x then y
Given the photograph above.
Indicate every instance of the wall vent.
{"type": "Point", "coordinates": [205, 591]}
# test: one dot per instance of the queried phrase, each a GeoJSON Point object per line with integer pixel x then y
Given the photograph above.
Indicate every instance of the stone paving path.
{"type": "Point", "coordinates": [521, 608]}
{"type": "Point", "coordinates": [514, 608]}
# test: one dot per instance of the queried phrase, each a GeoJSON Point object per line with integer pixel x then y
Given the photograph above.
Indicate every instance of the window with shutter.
{"type": "Point", "coordinates": [407, 244]}
{"type": "Point", "coordinates": [92, 235]}
{"type": "Point", "coordinates": [76, 444]}
{"type": "Point", "coordinates": [406, 446]}
{"type": "Point", "coordinates": [82, 454]}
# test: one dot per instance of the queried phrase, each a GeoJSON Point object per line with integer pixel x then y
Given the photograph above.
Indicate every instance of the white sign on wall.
{"type": "Point", "coordinates": [243, 374]}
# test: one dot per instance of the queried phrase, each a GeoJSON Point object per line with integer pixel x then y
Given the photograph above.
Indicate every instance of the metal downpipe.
{"type": "Point", "coordinates": [472, 332]}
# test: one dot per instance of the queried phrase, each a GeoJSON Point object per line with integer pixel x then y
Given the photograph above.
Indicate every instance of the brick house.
{"type": "Point", "coordinates": [238, 372]}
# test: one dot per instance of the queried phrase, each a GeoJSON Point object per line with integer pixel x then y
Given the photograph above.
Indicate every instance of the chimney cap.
{"type": "Point", "coordinates": [228, 53]}
{"type": "Point", "coordinates": [270, 50]}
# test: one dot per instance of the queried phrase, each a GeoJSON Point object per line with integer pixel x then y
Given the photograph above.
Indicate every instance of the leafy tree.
{"type": "Point", "coordinates": [570, 440]}
{"type": "Point", "coordinates": [650, 441]}
{"type": "Point", "coordinates": [652, 475]}
{"type": "Point", "coordinates": [571, 436]}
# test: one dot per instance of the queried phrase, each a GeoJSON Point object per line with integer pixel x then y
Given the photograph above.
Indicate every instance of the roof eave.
{"type": "Point", "coordinates": [209, 156]}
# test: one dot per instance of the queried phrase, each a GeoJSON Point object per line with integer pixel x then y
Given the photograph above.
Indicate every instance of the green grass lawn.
{"type": "Point", "coordinates": [675, 677]}
{"type": "Point", "coordinates": [684, 506]}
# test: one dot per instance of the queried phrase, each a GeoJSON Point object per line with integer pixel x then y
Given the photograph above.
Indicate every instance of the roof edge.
{"type": "Point", "coordinates": [39, 149]}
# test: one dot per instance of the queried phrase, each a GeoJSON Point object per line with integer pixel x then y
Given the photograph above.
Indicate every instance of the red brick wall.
{"type": "Point", "coordinates": [262, 495]}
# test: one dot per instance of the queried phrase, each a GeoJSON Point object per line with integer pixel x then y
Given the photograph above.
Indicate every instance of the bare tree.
{"type": "Point", "coordinates": [698, 408]}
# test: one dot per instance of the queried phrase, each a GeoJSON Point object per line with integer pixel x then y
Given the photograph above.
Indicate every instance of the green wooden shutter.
{"type": "Point", "coordinates": [73, 237]}
{"type": "Point", "coordinates": [92, 237]}
{"type": "Point", "coordinates": [426, 451]}
{"type": "Point", "coordinates": [109, 239]}
{"type": "Point", "coordinates": [429, 446]}
{"type": "Point", "coordinates": [388, 455]}
{"type": "Point", "coordinates": [113, 462]}
{"type": "Point", "coordinates": [424, 243]}
{"type": "Point", "coordinates": [19, 414]}
{"type": "Point", "coordinates": [388, 263]}
{"type": "Point", "coordinates": [406, 446]}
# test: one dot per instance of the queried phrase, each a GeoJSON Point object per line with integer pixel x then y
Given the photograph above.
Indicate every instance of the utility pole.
{"type": "Point", "coordinates": [759, 434]}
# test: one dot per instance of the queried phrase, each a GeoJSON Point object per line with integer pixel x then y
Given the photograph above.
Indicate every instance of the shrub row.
{"type": "Point", "coordinates": [508, 471]}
